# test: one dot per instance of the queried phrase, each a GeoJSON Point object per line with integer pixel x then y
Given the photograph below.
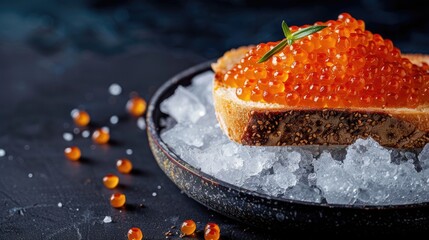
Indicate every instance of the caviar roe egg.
{"type": "Point", "coordinates": [211, 231]}
{"type": "Point", "coordinates": [135, 234]}
{"type": "Point", "coordinates": [110, 181]}
{"type": "Point", "coordinates": [188, 227]}
{"type": "Point", "coordinates": [136, 106]}
{"type": "Point", "coordinates": [81, 118]}
{"type": "Point", "coordinates": [117, 200]}
{"type": "Point", "coordinates": [124, 165]}
{"type": "Point", "coordinates": [73, 153]}
{"type": "Point", "coordinates": [101, 135]}
{"type": "Point", "coordinates": [211, 234]}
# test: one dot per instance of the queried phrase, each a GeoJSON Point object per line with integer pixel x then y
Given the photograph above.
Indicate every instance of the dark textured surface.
{"type": "Point", "coordinates": [35, 114]}
{"type": "Point", "coordinates": [56, 55]}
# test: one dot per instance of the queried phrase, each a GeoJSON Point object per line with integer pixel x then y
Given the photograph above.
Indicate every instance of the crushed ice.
{"type": "Point", "coordinates": [362, 173]}
{"type": "Point", "coordinates": [107, 219]}
{"type": "Point", "coordinates": [2, 152]}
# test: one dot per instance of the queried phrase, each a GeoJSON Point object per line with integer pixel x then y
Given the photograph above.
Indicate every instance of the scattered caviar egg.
{"type": "Point", "coordinates": [211, 234]}
{"type": "Point", "coordinates": [117, 200]}
{"type": "Point", "coordinates": [101, 135]}
{"type": "Point", "coordinates": [188, 227]}
{"type": "Point", "coordinates": [366, 68]}
{"type": "Point", "coordinates": [80, 117]}
{"type": "Point", "coordinates": [124, 165]}
{"type": "Point", "coordinates": [136, 106]}
{"type": "Point", "coordinates": [212, 225]}
{"type": "Point", "coordinates": [73, 153]}
{"type": "Point", "coordinates": [135, 234]}
{"type": "Point", "coordinates": [110, 181]}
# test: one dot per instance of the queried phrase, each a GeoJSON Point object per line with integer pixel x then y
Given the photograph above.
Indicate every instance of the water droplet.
{"type": "Point", "coordinates": [114, 119]}
{"type": "Point", "coordinates": [115, 89]}
{"type": "Point", "coordinates": [68, 136]}
{"type": "Point", "coordinates": [85, 134]}
{"type": "Point", "coordinates": [2, 152]}
{"type": "Point", "coordinates": [129, 152]}
{"type": "Point", "coordinates": [141, 123]}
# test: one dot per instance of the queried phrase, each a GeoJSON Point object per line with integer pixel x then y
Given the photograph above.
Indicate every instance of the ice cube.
{"type": "Point", "coordinates": [187, 134]}
{"type": "Point", "coordinates": [254, 165]}
{"type": "Point", "coordinates": [424, 157]}
{"type": "Point", "coordinates": [312, 179]}
{"type": "Point", "coordinates": [302, 192]}
{"type": "Point", "coordinates": [336, 184]}
{"type": "Point", "coordinates": [202, 86]}
{"type": "Point", "coordinates": [107, 219]}
{"type": "Point", "coordinates": [183, 106]}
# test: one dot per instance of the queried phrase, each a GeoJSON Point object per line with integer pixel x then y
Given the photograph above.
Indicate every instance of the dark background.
{"type": "Point", "coordinates": [204, 28]}
{"type": "Point", "coordinates": [58, 55]}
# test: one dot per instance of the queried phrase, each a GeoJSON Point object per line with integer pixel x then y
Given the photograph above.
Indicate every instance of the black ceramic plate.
{"type": "Point", "coordinates": [263, 210]}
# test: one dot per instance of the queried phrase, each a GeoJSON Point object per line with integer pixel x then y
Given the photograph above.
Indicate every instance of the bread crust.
{"type": "Point", "coordinates": [252, 123]}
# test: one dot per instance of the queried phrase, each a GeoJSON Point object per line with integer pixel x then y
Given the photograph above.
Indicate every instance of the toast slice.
{"type": "Point", "coordinates": [273, 124]}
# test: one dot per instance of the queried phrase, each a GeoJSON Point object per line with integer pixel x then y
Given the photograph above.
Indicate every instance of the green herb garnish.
{"type": "Point", "coordinates": [290, 38]}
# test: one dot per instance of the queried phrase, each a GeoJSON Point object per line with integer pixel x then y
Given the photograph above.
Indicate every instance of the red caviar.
{"type": "Point", "coordinates": [136, 106]}
{"type": "Point", "coordinates": [212, 225]}
{"type": "Point", "coordinates": [73, 153]}
{"type": "Point", "coordinates": [135, 234]}
{"type": "Point", "coordinates": [188, 227]}
{"type": "Point", "coordinates": [80, 117]}
{"type": "Point", "coordinates": [211, 231]}
{"type": "Point", "coordinates": [124, 165]}
{"type": "Point", "coordinates": [117, 200]}
{"type": "Point", "coordinates": [110, 181]}
{"type": "Point", "coordinates": [211, 234]}
{"type": "Point", "coordinates": [101, 135]}
{"type": "Point", "coordinates": [343, 65]}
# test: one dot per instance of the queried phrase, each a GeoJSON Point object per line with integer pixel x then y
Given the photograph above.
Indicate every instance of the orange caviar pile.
{"type": "Point", "coordinates": [343, 65]}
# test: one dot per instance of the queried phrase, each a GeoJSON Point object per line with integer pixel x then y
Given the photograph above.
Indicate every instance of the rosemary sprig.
{"type": "Point", "coordinates": [290, 39]}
